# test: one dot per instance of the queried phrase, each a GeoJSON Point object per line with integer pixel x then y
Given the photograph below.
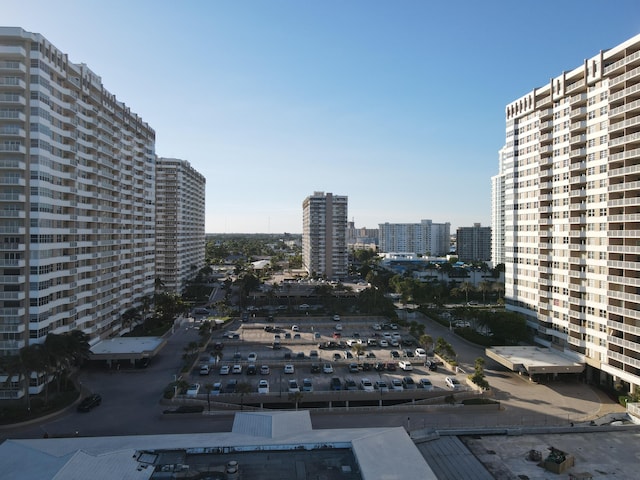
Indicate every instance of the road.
{"type": "Point", "coordinates": [131, 400]}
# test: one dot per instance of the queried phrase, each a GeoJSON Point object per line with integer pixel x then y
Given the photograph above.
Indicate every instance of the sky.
{"type": "Point", "coordinates": [397, 104]}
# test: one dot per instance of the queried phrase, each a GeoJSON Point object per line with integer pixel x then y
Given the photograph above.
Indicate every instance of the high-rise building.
{"type": "Point", "coordinates": [473, 244]}
{"type": "Point", "coordinates": [497, 213]}
{"type": "Point", "coordinates": [180, 218]}
{"type": "Point", "coordinates": [424, 238]}
{"type": "Point", "coordinates": [324, 235]}
{"type": "Point", "coordinates": [77, 229]}
{"type": "Point", "coordinates": [571, 168]}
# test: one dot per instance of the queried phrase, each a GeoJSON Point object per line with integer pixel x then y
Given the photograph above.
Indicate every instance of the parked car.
{"type": "Point", "coordinates": [335, 384]}
{"type": "Point", "coordinates": [327, 368]}
{"type": "Point", "coordinates": [381, 385]}
{"type": "Point", "coordinates": [315, 368]}
{"type": "Point", "coordinates": [89, 403]}
{"type": "Point", "coordinates": [408, 383]}
{"type": "Point", "coordinates": [408, 353]}
{"type": "Point", "coordinates": [252, 357]}
{"type": "Point", "coordinates": [379, 367]}
{"type": "Point", "coordinates": [217, 388]}
{"type": "Point", "coordinates": [372, 342]}
{"type": "Point", "coordinates": [338, 327]}
{"type": "Point", "coordinates": [307, 385]}
{"type": "Point", "coordinates": [394, 354]}
{"type": "Point", "coordinates": [353, 368]}
{"type": "Point", "coordinates": [204, 370]}
{"type": "Point", "coordinates": [350, 384]}
{"type": "Point", "coordinates": [237, 369]}
{"type": "Point", "coordinates": [336, 318]}
{"type": "Point", "coordinates": [232, 386]}
{"type": "Point", "coordinates": [293, 386]}
{"type": "Point", "coordinates": [366, 367]}
{"type": "Point", "coordinates": [391, 367]}
{"type": "Point", "coordinates": [432, 365]}
{"type": "Point", "coordinates": [224, 370]}
{"type": "Point", "coordinates": [383, 343]}
{"type": "Point", "coordinates": [288, 368]}
{"type": "Point", "coordinates": [396, 385]}
{"type": "Point", "coordinates": [336, 356]}
{"type": "Point", "coordinates": [313, 354]}
{"type": "Point", "coordinates": [366, 385]}
{"type": "Point", "coordinates": [348, 354]}
{"type": "Point", "coordinates": [295, 328]}
{"type": "Point", "coordinates": [425, 383]}
{"type": "Point", "coordinates": [421, 353]}
{"type": "Point", "coordinates": [265, 370]}
{"type": "Point", "coordinates": [453, 383]}
{"type": "Point", "coordinates": [405, 365]}
{"type": "Point", "coordinates": [370, 355]}
{"type": "Point", "coordinates": [263, 386]}
{"type": "Point", "coordinates": [193, 390]}
{"type": "Point", "coordinates": [252, 370]}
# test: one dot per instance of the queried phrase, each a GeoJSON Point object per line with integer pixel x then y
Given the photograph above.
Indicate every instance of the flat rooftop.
{"type": "Point", "coordinates": [126, 348]}
{"type": "Point", "coordinates": [534, 360]}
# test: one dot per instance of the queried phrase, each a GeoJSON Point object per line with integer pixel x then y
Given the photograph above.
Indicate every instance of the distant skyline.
{"type": "Point", "coordinates": [397, 105]}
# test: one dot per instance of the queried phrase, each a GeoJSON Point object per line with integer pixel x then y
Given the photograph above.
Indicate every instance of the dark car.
{"type": "Point", "coordinates": [89, 403]}
{"type": "Point", "coordinates": [315, 368]}
{"type": "Point", "coordinates": [336, 384]}
{"type": "Point", "coordinates": [252, 370]}
{"type": "Point", "coordinates": [366, 367]}
{"type": "Point", "coordinates": [391, 367]}
{"type": "Point", "coordinates": [433, 366]}
{"type": "Point", "coordinates": [379, 367]}
{"type": "Point", "coordinates": [231, 387]}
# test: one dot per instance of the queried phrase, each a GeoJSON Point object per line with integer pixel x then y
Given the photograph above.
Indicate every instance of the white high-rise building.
{"type": "Point", "coordinates": [324, 235]}
{"type": "Point", "coordinates": [180, 218]}
{"type": "Point", "coordinates": [424, 238]}
{"type": "Point", "coordinates": [497, 213]}
{"type": "Point", "coordinates": [571, 167]}
{"type": "Point", "coordinates": [77, 220]}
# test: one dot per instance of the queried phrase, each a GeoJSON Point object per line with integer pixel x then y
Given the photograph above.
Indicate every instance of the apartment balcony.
{"type": "Point", "coordinates": [579, 126]}
{"type": "Point", "coordinates": [579, 99]}
{"type": "Point", "coordinates": [15, 328]}
{"type": "Point", "coordinates": [12, 344]}
{"type": "Point", "coordinates": [625, 312]}
{"type": "Point", "coordinates": [624, 233]}
{"type": "Point", "coordinates": [632, 249]}
{"type": "Point", "coordinates": [579, 112]}
{"type": "Point", "coordinates": [545, 113]}
{"type": "Point", "coordinates": [623, 359]}
{"type": "Point", "coordinates": [578, 179]}
{"type": "Point", "coordinates": [546, 125]}
{"type": "Point", "coordinates": [578, 342]}
{"type": "Point", "coordinates": [624, 265]}
{"type": "Point", "coordinates": [574, 207]}
{"type": "Point", "coordinates": [578, 193]}
{"type": "Point", "coordinates": [629, 297]}
{"type": "Point", "coordinates": [623, 327]}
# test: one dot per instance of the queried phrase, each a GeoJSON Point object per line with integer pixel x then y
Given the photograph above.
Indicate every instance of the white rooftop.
{"type": "Point", "coordinates": [534, 360]}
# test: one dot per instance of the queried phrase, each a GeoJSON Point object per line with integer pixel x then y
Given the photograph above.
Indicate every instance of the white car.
{"type": "Point", "coordinates": [288, 368]}
{"type": "Point", "coordinates": [224, 370]}
{"type": "Point", "coordinates": [295, 328]}
{"type": "Point", "coordinates": [396, 385]}
{"type": "Point", "coordinates": [366, 385]}
{"type": "Point", "coordinates": [404, 365]}
{"type": "Point", "coordinates": [252, 357]}
{"type": "Point", "coordinates": [377, 326]}
{"type": "Point", "coordinates": [293, 386]}
{"type": "Point", "coordinates": [338, 327]}
{"type": "Point", "coordinates": [264, 370]}
{"type": "Point", "coordinates": [193, 389]}
{"type": "Point", "coordinates": [327, 368]}
{"type": "Point", "coordinates": [263, 386]}
{"type": "Point", "coordinates": [420, 353]}
{"type": "Point", "coordinates": [453, 383]}
{"type": "Point", "coordinates": [307, 385]}
{"type": "Point", "coordinates": [217, 388]}
{"type": "Point", "coordinates": [336, 318]}
{"type": "Point", "coordinates": [383, 343]}
{"type": "Point", "coordinates": [236, 369]}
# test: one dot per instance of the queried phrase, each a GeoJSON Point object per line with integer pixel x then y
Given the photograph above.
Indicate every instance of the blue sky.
{"type": "Point", "coordinates": [397, 104]}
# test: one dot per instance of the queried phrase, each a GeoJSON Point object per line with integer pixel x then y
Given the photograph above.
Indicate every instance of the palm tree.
{"type": "Point", "coordinates": [484, 287]}
{"type": "Point", "coordinates": [466, 287]}
{"type": "Point", "coordinates": [208, 387]}
{"type": "Point", "coordinates": [358, 349]}
{"type": "Point", "coordinates": [243, 388]}
{"type": "Point", "coordinates": [296, 397]}
{"type": "Point", "coordinates": [426, 341]}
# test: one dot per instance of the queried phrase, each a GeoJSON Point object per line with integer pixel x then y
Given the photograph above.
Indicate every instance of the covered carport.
{"type": "Point", "coordinates": [537, 362]}
{"type": "Point", "coordinates": [115, 350]}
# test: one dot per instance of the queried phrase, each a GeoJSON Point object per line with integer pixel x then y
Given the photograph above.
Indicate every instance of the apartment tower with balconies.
{"type": "Point", "coordinates": [324, 235]}
{"type": "Point", "coordinates": [180, 219]}
{"type": "Point", "coordinates": [571, 170]}
{"type": "Point", "coordinates": [77, 219]}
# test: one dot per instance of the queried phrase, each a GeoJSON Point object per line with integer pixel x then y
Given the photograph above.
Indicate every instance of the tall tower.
{"type": "Point", "coordinates": [324, 235]}
{"type": "Point", "coordinates": [180, 218]}
{"type": "Point", "coordinates": [497, 213]}
{"type": "Point", "coordinates": [77, 229]}
{"type": "Point", "coordinates": [571, 169]}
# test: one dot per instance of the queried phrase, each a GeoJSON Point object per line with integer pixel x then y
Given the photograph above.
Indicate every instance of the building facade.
{"type": "Point", "coordinates": [180, 219]}
{"type": "Point", "coordinates": [324, 235]}
{"type": "Point", "coordinates": [424, 238]}
{"type": "Point", "coordinates": [361, 238]}
{"type": "Point", "coordinates": [571, 169]}
{"type": "Point", "coordinates": [473, 244]}
{"type": "Point", "coordinates": [77, 169]}
{"type": "Point", "coordinates": [497, 213]}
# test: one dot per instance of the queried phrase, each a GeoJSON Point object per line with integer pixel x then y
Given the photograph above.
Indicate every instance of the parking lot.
{"type": "Point", "coordinates": [318, 349]}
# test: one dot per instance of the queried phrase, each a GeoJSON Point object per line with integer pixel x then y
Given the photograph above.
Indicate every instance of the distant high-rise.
{"type": "Point", "coordinates": [571, 166]}
{"type": "Point", "coordinates": [77, 230]}
{"type": "Point", "coordinates": [324, 235]}
{"type": "Point", "coordinates": [473, 244]}
{"type": "Point", "coordinates": [180, 218]}
{"type": "Point", "coordinates": [424, 238]}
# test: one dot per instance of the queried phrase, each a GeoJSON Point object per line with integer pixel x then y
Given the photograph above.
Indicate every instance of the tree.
{"type": "Point", "coordinates": [478, 376]}
{"type": "Point", "coordinates": [358, 349]}
{"type": "Point", "coordinates": [243, 388]}
{"type": "Point", "coordinates": [295, 398]}
{"type": "Point", "coordinates": [208, 387]}
{"type": "Point", "coordinates": [426, 341]}
{"type": "Point", "coordinates": [484, 287]}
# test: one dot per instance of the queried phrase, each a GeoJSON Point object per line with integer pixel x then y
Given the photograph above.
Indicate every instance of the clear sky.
{"type": "Point", "coordinates": [397, 104]}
